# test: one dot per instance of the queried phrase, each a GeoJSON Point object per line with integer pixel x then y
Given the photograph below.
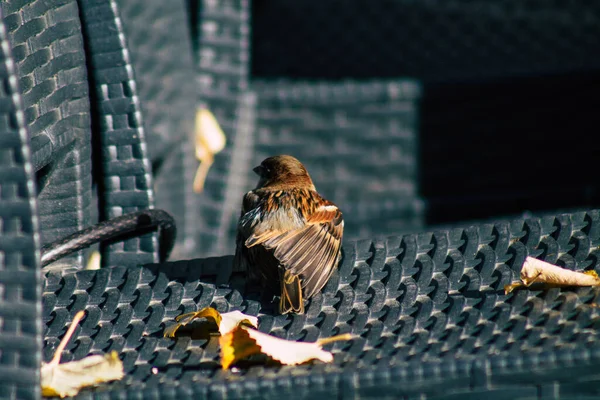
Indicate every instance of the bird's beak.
{"type": "Point", "coordinates": [258, 170]}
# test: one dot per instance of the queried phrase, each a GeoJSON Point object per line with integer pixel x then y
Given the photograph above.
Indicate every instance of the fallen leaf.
{"type": "Point", "coordinates": [243, 342]}
{"type": "Point", "coordinates": [537, 271]}
{"type": "Point", "coordinates": [512, 286]}
{"type": "Point", "coordinates": [94, 260]}
{"type": "Point", "coordinates": [210, 140]}
{"type": "Point", "coordinates": [225, 322]}
{"type": "Point", "coordinates": [68, 378]}
{"type": "Point", "coordinates": [239, 340]}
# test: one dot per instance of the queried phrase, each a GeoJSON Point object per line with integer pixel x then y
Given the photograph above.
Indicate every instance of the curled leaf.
{"type": "Point", "coordinates": [210, 140]}
{"type": "Point", "coordinates": [233, 319]}
{"type": "Point", "coordinates": [68, 378]}
{"type": "Point", "coordinates": [537, 271]}
{"type": "Point", "coordinates": [235, 346]}
{"type": "Point", "coordinates": [243, 342]}
{"type": "Point", "coordinates": [225, 322]}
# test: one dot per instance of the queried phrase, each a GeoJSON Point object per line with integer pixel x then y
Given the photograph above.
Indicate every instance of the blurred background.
{"type": "Point", "coordinates": [408, 114]}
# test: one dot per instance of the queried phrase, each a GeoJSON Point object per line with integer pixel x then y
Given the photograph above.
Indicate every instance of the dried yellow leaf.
{"type": "Point", "coordinates": [210, 140]}
{"type": "Point", "coordinates": [225, 322]}
{"type": "Point", "coordinates": [537, 271]}
{"type": "Point", "coordinates": [243, 342]}
{"type": "Point", "coordinates": [235, 346]}
{"type": "Point", "coordinates": [68, 378]}
{"type": "Point", "coordinates": [512, 286]}
{"type": "Point", "coordinates": [94, 260]}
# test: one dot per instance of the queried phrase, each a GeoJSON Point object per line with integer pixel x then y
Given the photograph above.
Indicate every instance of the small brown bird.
{"type": "Point", "coordinates": [289, 237]}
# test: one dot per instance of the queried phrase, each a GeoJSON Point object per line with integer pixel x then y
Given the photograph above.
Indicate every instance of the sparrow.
{"type": "Point", "coordinates": [289, 237]}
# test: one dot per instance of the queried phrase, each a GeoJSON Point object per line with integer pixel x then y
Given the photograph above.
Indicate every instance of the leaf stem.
{"type": "Point", "coordinates": [337, 338]}
{"type": "Point", "coordinates": [67, 337]}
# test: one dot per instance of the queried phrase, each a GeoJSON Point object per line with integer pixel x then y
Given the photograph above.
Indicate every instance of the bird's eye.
{"type": "Point", "coordinates": [264, 170]}
{"type": "Point", "coordinates": [261, 170]}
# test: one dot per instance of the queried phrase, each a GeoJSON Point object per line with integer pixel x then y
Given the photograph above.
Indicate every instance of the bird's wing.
{"type": "Point", "coordinates": [241, 251]}
{"type": "Point", "coordinates": [270, 216]}
{"type": "Point", "coordinates": [312, 251]}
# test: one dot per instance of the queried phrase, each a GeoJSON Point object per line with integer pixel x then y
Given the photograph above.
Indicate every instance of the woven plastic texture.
{"type": "Point", "coordinates": [124, 166]}
{"type": "Point", "coordinates": [48, 48]}
{"type": "Point", "coordinates": [428, 310]}
{"type": "Point", "coordinates": [20, 278]}
{"type": "Point", "coordinates": [223, 62]}
{"type": "Point", "coordinates": [158, 37]}
{"type": "Point", "coordinates": [436, 40]}
{"type": "Point", "coordinates": [358, 141]}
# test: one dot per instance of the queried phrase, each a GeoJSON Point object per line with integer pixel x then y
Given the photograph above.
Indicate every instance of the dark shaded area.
{"type": "Point", "coordinates": [436, 40]}
{"type": "Point", "coordinates": [194, 10]}
{"type": "Point", "coordinates": [509, 102]}
{"type": "Point", "coordinates": [510, 145]}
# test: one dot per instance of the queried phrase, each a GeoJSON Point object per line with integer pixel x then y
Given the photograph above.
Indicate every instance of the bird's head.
{"type": "Point", "coordinates": [283, 172]}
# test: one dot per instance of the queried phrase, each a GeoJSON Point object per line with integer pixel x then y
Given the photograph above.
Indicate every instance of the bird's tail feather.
{"type": "Point", "coordinates": [291, 293]}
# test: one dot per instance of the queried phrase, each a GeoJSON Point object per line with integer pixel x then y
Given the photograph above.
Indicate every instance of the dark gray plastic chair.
{"type": "Point", "coordinates": [20, 277]}
{"type": "Point", "coordinates": [427, 310]}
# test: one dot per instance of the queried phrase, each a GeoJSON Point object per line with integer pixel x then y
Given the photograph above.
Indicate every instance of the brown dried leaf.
{"type": "Point", "coordinates": [537, 271]}
{"type": "Point", "coordinates": [225, 322]}
{"type": "Point", "coordinates": [68, 378]}
{"type": "Point", "coordinates": [210, 140]}
{"type": "Point", "coordinates": [243, 342]}
{"type": "Point", "coordinates": [512, 286]}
